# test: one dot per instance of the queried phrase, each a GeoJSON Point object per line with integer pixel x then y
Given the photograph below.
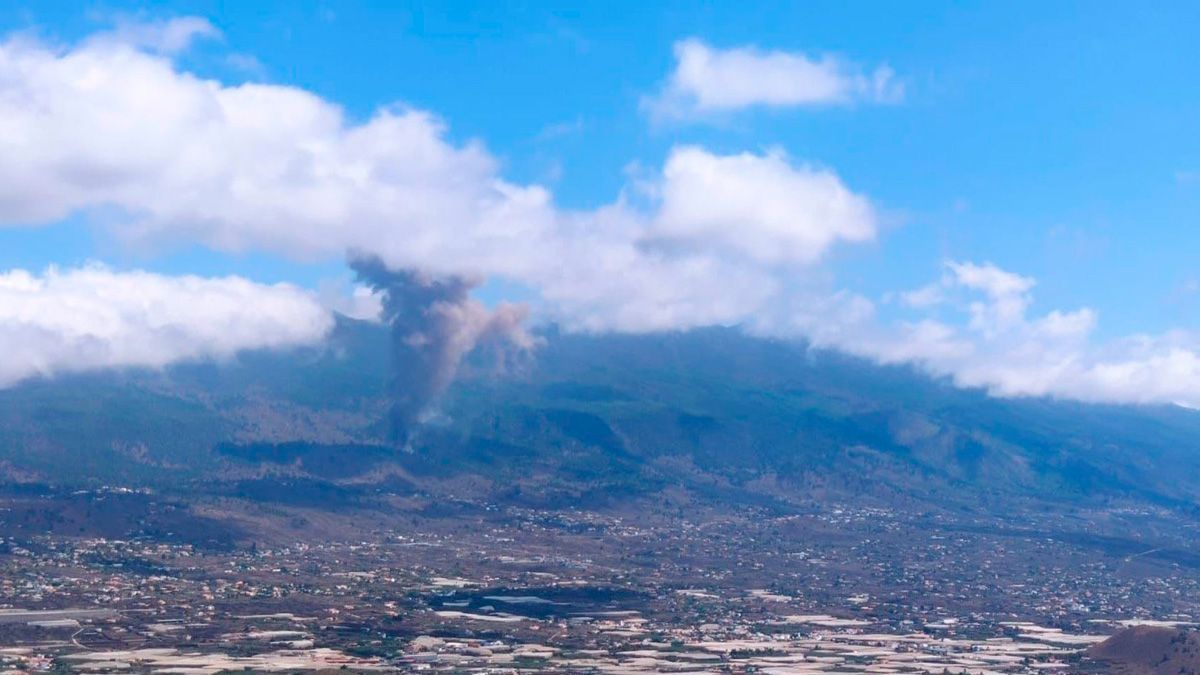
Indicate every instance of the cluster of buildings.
{"type": "Point", "coordinates": [836, 589]}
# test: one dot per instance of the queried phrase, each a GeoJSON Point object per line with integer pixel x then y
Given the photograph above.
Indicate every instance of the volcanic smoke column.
{"type": "Point", "coordinates": [435, 323]}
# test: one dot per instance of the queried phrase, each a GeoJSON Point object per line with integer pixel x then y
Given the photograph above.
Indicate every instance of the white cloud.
{"type": "Point", "coordinates": [90, 318]}
{"type": "Point", "coordinates": [108, 126]}
{"type": "Point", "coordinates": [990, 341]}
{"type": "Point", "coordinates": [708, 80]}
{"type": "Point", "coordinates": [1007, 295]}
{"type": "Point", "coordinates": [758, 206]}
{"type": "Point", "coordinates": [166, 157]}
{"type": "Point", "coordinates": [993, 281]}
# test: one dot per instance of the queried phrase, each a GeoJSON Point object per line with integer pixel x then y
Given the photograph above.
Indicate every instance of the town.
{"type": "Point", "coordinates": [506, 589]}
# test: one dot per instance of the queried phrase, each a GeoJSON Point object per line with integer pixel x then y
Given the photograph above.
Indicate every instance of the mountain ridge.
{"type": "Point", "coordinates": [706, 407]}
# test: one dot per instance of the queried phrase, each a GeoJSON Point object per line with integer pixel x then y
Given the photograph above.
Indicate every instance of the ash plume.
{"type": "Point", "coordinates": [435, 323]}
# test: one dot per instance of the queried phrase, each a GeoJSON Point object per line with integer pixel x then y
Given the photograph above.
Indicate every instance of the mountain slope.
{"type": "Point", "coordinates": [1150, 650]}
{"type": "Point", "coordinates": [714, 411]}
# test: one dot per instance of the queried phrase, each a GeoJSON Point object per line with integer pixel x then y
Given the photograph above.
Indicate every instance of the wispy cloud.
{"type": "Point", "coordinates": [708, 81]}
{"type": "Point", "coordinates": [163, 36]}
{"type": "Point", "coordinates": [558, 130]}
{"type": "Point", "coordinates": [1185, 177]}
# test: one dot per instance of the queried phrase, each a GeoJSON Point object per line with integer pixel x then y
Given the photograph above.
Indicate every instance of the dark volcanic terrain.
{"type": "Point", "coordinates": [1150, 650]}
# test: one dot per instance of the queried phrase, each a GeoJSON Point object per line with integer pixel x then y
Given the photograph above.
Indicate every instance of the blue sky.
{"type": "Point", "coordinates": [1057, 141]}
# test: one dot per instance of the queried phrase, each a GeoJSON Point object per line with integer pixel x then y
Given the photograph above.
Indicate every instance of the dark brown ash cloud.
{"type": "Point", "coordinates": [435, 323]}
